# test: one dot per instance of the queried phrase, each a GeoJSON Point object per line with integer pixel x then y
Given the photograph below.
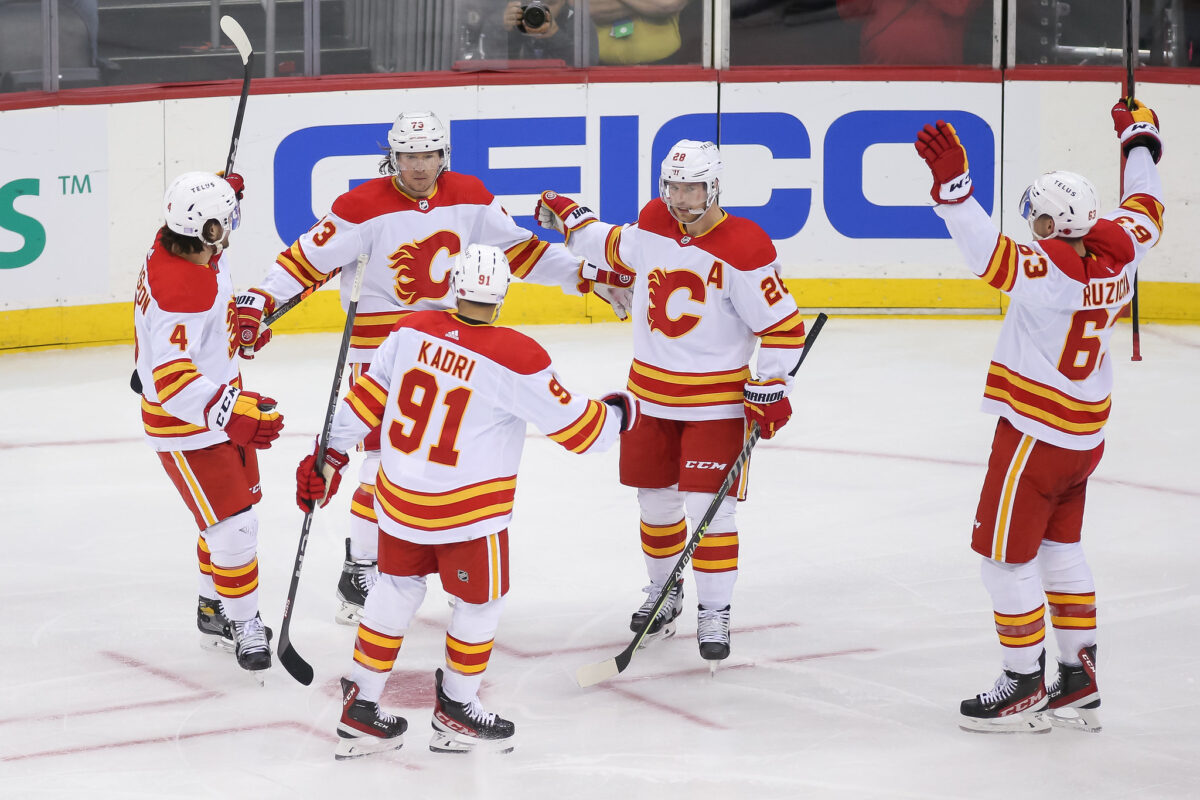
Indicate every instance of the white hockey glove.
{"type": "Point", "coordinates": [562, 214]}
{"type": "Point", "coordinates": [614, 287]}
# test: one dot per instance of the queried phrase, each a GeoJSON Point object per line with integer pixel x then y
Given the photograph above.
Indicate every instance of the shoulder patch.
{"type": "Point", "coordinates": [178, 285]}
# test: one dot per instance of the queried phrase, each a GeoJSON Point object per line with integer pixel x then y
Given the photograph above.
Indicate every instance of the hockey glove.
{"type": "Point", "coordinates": [313, 486]}
{"type": "Point", "coordinates": [625, 403]}
{"type": "Point", "coordinates": [562, 214]}
{"type": "Point", "coordinates": [614, 287]}
{"type": "Point", "coordinates": [766, 404]}
{"type": "Point", "coordinates": [1137, 126]}
{"type": "Point", "coordinates": [236, 181]}
{"type": "Point", "coordinates": [942, 150]}
{"type": "Point", "coordinates": [248, 419]}
{"type": "Point", "coordinates": [252, 306]}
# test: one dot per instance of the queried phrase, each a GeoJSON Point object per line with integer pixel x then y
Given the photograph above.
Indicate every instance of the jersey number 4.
{"type": "Point", "coordinates": [415, 401]}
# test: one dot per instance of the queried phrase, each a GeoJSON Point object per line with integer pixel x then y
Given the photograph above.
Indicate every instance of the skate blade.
{"type": "Point", "coordinates": [361, 746]}
{"type": "Point", "coordinates": [347, 614]}
{"type": "Point", "coordinates": [217, 644]}
{"type": "Point", "coordinates": [1084, 720]}
{"type": "Point", "coordinates": [665, 632]}
{"type": "Point", "coordinates": [444, 742]}
{"type": "Point", "coordinates": [1018, 723]}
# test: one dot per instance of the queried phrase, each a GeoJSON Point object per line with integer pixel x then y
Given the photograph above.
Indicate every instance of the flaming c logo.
{"type": "Point", "coordinates": [412, 263]}
{"type": "Point", "coordinates": [662, 285]}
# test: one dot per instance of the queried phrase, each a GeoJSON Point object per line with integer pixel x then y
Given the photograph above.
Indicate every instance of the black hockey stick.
{"type": "Point", "coordinates": [296, 666]}
{"type": "Point", "coordinates": [591, 674]}
{"type": "Point", "coordinates": [274, 316]}
{"type": "Point", "coordinates": [1131, 56]}
{"type": "Point", "coordinates": [242, 42]}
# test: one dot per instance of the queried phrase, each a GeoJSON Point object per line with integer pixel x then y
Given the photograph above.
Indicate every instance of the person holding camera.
{"type": "Point", "coordinates": [542, 29]}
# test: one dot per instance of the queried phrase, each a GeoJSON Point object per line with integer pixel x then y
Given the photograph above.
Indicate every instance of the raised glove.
{"type": "Point", "coordinates": [252, 306]}
{"type": "Point", "coordinates": [248, 419]}
{"type": "Point", "coordinates": [313, 486]}
{"type": "Point", "coordinates": [562, 214]}
{"type": "Point", "coordinates": [236, 181]}
{"type": "Point", "coordinates": [614, 287]}
{"type": "Point", "coordinates": [1137, 126]}
{"type": "Point", "coordinates": [625, 403]}
{"type": "Point", "coordinates": [766, 404]}
{"type": "Point", "coordinates": [942, 150]}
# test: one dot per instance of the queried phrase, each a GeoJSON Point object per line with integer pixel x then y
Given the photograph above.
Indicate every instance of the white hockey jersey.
{"type": "Point", "coordinates": [1050, 374]}
{"type": "Point", "coordinates": [453, 398]}
{"type": "Point", "coordinates": [185, 344]}
{"type": "Point", "coordinates": [412, 244]}
{"type": "Point", "coordinates": [699, 305]}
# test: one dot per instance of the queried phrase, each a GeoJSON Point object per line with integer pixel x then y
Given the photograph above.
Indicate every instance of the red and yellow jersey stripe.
{"type": "Point", "coordinates": [1147, 205]}
{"type": "Point", "coordinates": [580, 435]}
{"type": "Point", "coordinates": [1045, 404]}
{"type": "Point", "coordinates": [1021, 630]}
{"type": "Point", "coordinates": [788, 333]}
{"type": "Point", "coordinates": [371, 328]}
{"type": "Point", "coordinates": [376, 651]}
{"type": "Point", "coordinates": [523, 256]}
{"type": "Point", "coordinates": [612, 250]}
{"type": "Point", "coordinates": [1001, 272]}
{"type": "Point", "coordinates": [296, 264]}
{"type": "Point", "coordinates": [687, 389]}
{"type": "Point", "coordinates": [173, 377]}
{"type": "Point", "coordinates": [466, 658]}
{"type": "Point", "coordinates": [367, 399]}
{"type": "Point", "coordinates": [440, 511]}
{"type": "Point", "coordinates": [1076, 611]}
{"type": "Point", "coordinates": [160, 423]}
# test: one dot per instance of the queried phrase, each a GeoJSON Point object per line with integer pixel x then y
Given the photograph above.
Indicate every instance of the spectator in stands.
{"type": "Point", "coordinates": [910, 31]}
{"type": "Point", "coordinates": [553, 38]}
{"type": "Point", "coordinates": [636, 31]}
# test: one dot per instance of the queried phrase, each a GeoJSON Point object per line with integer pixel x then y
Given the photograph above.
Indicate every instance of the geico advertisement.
{"type": "Point", "coordinates": [53, 204]}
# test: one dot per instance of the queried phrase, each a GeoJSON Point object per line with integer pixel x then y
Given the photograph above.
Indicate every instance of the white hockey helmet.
{"type": "Point", "coordinates": [418, 132]}
{"type": "Point", "coordinates": [481, 275]}
{"type": "Point", "coordinates": [194, 198]}
{"type": "Point", "coordinates": [1070, 200]}
{"type": "Point", "coordinates": [691, 161]}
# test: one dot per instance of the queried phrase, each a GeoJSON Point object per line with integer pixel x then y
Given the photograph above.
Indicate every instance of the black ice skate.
{"type": "Point", "coordinates": [216, 632]}
{"type": "Point", "coordinates": [251, 645]}
{"type": "Point", "coordinates": [358, 576]}
{"type": "Point", "coordinates": [364, 729]}
{"type": "Point", "coordinates": [466, 727]}
{"type": "Point", "coordinates": [663, 624]}
{"type": "Point", "coordinates": [712, 632]}
{"type": "Point", "coordinates": [1010, 705]}
{"type": "Point", "coordinates": [1074, 695]}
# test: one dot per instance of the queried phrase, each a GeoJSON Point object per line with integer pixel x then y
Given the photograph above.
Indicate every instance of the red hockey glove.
{"type": "Point", "coordinates": [252, 306]}
{"type": "Point", "coordinates": [248, 419]}
{"type": "Point", "coordinates": [625, 403]}
{"type": "Point", "coordinates": [236, 181]}
{"type": "Point", "coordinates": [766, 404]}
{"type": "Point", "coordinates": [562, 214]}
{"type": "Point", "coordinates": [947, 159]}
{"type": "Point", "coordinates": [1137, 126]}
{"type": "Point", "coordinates": [313, 486]}
{"type": "Point", "coordinates": [614, 287]}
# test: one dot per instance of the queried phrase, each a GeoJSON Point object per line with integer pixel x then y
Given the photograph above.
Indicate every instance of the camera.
{"type": "Point", "coordinates": [534, 14]}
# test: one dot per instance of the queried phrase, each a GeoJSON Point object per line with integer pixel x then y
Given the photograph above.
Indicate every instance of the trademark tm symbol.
{"type": "Point", "coordinates": [76, 184]}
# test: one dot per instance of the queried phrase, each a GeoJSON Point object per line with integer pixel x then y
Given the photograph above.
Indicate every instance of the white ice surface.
{"type": "Point", "coordinates": [859, 621]}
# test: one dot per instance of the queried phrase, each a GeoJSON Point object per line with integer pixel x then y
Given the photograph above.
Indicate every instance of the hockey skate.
{"type": "Point", "coordinates": [1010, 705]}
{"type": "Point", "coordinates": [364, 729]}
{"type": "Point", "coordinates": [712, 633]}
{"type": "Point", "coordinates": [1074, 695]}
{"type": "Point", "coordinates": [358, 576]}
{"type": "Point", "coordinates": [215, 630]}
{"type": "Point", "coordinates": [466, 727]}
{"type": "Point", "coordinates": [663, 624]}
{"type": "Point", "coordinates": [251, 646]}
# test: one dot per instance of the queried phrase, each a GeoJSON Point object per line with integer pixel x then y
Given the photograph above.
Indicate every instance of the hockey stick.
{"type": "Point", "coordinates": [1131, 54]}
{"type": "Point", "coordinates": [274, 316]}
{"type": "Point", "coordinates": [296, 666]}
{"type": "Point", "coordinates": [591, 674]}
{"type": "Point", "coordinates": [242, 42]}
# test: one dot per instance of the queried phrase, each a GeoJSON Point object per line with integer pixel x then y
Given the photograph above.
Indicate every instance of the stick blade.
{"type": "Point", "coordinates": [238, 36]}
{"type": "Point", "coordinates": [591, 674]}
{"type": "Point", "coordinates": [296, 666]}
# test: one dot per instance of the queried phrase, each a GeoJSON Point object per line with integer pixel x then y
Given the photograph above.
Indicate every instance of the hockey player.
{"type": "Point", "coordinates": [1050, 382]}
{"type": "Point", "coordinates": [412, 222]}
{"type": "Point", "coordinates": [205, 427]}
{"type": "Point", "coordinates": [707, 289]}
{"type": "Point", "coordinates": [451, 394]}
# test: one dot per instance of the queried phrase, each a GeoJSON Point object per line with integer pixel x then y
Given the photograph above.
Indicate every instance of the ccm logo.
{"type": "Point", "coordinates": [703, 465]}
